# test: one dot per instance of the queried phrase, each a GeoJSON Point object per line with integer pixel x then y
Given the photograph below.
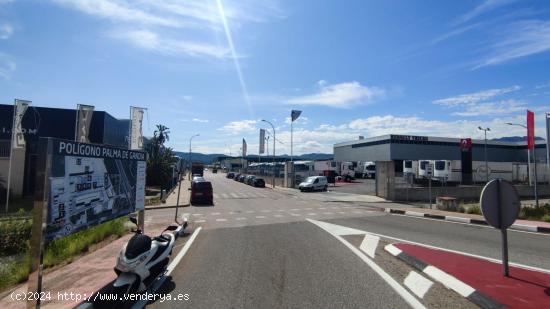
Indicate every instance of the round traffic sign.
{"type": "Point", "coordinates": [500, 203]}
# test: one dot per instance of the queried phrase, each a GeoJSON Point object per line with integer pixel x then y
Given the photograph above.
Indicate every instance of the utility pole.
{"type": "Point", "coordinates": [189, 163]}
{"type": "Point", "coordinates": [486, 162]}
{"type": "Point", "coordinates": [272, 126]}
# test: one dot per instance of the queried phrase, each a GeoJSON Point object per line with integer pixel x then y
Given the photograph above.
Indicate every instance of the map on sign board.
{"type": "Point", "coordinates": [90, 184]}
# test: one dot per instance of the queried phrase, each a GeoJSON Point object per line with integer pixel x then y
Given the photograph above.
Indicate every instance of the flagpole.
{"type": "Point", "coordinates": [11, 155]}
{"type": "Point", "coordinates": [291, 140]}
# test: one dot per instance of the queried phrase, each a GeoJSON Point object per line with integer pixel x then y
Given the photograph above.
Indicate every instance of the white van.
{"type": "Point", "coordinates": [314, 183]}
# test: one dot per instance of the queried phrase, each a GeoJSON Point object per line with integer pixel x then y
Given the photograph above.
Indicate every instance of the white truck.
{"type": "Point", "coordinates": [365, 170]}
{"type": "Point", "coordinates": [345, 170]}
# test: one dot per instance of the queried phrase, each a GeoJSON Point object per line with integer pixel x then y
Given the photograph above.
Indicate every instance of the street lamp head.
{"type": "Point", "coordinates": [480, 128]}
{"type": "Point", "coordinates": [488, 129]}
{"type": "Point", "coordinates": [509, 123]}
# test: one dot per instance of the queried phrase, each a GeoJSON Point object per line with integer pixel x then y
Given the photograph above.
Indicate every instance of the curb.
{"type": "Point", "coordinates": [519, 227]}
{"type": "Point", "coordinates": [447, 280]}
{"type": "Point", "coordinates": [164, 207]}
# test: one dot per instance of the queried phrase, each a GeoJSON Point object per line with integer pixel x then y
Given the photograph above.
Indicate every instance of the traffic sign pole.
{"type": "Point", "coordinates": [503, 231]}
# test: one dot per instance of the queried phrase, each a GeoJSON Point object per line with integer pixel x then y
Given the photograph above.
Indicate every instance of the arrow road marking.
{"type": "Point", "coordinates": [338, 231]}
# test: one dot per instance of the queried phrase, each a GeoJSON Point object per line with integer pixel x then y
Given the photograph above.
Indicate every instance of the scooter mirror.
{"type": "Point", "coordinates": [132, 218]}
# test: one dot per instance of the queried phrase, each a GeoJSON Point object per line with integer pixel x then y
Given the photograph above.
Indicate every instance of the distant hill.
{"type": "Point", "coordinates": [210, 158]}
{"type": "Point", "coordinates": [516, 139]}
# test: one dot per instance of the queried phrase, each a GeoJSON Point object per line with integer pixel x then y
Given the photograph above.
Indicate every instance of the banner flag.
{"type": "Point", "coordinates": [83, 122]}
{"type": "Point", "coordinates": [530, 130]}
{"type": "Point", "coordinates": [136, 127]}
{"type": "Point", "coordinates": [295, 114]}
{"type": "Point", "coordinates": [262, 141]}
{"type": "Point", "coordinates": [18, 140]}
{"type": "Point", "coordinates": [244, 148]}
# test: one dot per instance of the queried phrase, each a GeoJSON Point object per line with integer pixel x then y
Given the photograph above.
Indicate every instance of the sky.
{"type": "Point", "coordinates": [217, 67]}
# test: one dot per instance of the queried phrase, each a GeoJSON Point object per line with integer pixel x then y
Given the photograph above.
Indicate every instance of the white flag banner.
{"type": "Point", "coordinates": [83, 122]}
{"type": "Point", "coordinates": [244, 148]}
{"type": "Point", "coordinates": [136, 125]}
{"type": "Point", "coordinates": [18, 136]}
{"type": "Point", "coordinates": [262, 141]}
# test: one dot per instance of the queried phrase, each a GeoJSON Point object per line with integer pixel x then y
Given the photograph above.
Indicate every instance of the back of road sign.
{"type": "Point", "coordinates": [500, 203]}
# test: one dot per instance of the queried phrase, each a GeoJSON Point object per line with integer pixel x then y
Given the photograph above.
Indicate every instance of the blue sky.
{"type": "Point", "coordinates": [438, 68]}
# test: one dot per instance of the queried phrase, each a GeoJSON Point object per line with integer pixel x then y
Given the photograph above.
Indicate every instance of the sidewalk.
{"type": "Point", "coordinates": [523, 225]}
{"type": "Point", "coordinates": [172, 199]}
{"type": "Point", "coordinates": [479, 280]}
{"type": "Point", "coordinates": [87, 274]}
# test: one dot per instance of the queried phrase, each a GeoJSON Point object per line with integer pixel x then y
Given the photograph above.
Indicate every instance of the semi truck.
{"type": "Point", "coordinates": [197, 168]}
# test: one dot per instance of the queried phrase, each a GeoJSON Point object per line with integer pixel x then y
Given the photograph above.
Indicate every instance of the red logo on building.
{"type": "Point", "coordinates": [465, 144]}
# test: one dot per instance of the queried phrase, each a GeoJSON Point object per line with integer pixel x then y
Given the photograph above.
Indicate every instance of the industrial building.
{"type": "Point", "coordinates": [49, 122]}
{"type": "Point", "coordinates": [408, 147]}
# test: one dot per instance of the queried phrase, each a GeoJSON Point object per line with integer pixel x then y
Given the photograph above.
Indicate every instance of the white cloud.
{"type": "Point", "coordinates": [237, 127]}
{"type": "Point", "coordinates": [486, 6]}
{"type": "Point", "coordinates": [519, 40]}
{"type": "Point", "coordinates": [300, 120]}
{"type": "Point", "coordinates": [499, 108]}
{"type": "Point", "coordinates": [200, 120]}
{"type": "Point", "coordinates": [341, 95]}
{"type": "Point", "coordinates": [6, 30]}
{"type": "Point", "coordinates": [118, 11]}
{"type": "Point", "coordinates": [7, 66]}
{"type": "Point", "coordinates": [472, 98]}
{"type": "Point", "coordinates": [150, 24]}
{"type": "Point", "coordinates": [150, 40]}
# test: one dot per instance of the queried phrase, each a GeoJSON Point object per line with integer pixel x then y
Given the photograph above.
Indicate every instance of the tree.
{"type": "Point", "coordinates": [160, 158]}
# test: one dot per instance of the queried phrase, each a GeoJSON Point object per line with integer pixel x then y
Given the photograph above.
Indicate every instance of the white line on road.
{"type": "Point", "coordinates": [260, 217]}
{"type": "Point", "coordinates": [200, 221]}
{"type": "Point", "coordinates": [418, 284]}
{"type": "Point", "coordinates": [234, 195]}
{"type": "Point", "coordinates": [278, 216]}
{"type": "Point", "coordinates": [311, 214]}
{"type": "Point", "coordinates": [221, 220]}
{"type": "Point", "coordinates": [408, 297]}
{"type": "Point", "coordinates": [328, 213]}
{"type": "Point", "coordinates": [241, 218]}
{"type": "Point", "coordinates": [369, 244]}
{"type": "Point", "coordinates": [170, 267]}
{"type": "Point", "coordinates": [197, 214]}
{"type": "Point", "coordinates": [216, 213]}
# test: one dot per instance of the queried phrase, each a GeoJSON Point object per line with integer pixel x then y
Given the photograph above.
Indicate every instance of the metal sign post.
{"type": "Point", "coordinates": [500, 206]}
{"type": "Point", "coordinates": [40, 215]}
{"type": "Point", "coordinates": [178, 200]}
{"type": "Point", "coordinates": [429, 173]}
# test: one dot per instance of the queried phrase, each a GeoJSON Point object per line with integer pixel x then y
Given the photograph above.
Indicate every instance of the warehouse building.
{"type": "Point", "coordinates": [49, 122]}
{"type": "Point", "coordinates": [408, 147]}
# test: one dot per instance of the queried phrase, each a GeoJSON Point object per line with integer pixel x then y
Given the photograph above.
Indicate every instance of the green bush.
{"type": "Point", "coordinates": [14, 236]}
{"type": "Point", "coordinates": [475, 209]}
{"type": "Point", "coordinates": [14, 272]}
{"type": "Point", "coordinates": [546, 218]}
{"type": "Point", "coordinates": [535, 213]}
{"type": "Point", "coordinates": [67, 247]}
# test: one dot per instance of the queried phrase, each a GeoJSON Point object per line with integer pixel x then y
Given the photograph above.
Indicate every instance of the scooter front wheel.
{"type": "Point", "coordinates": [121, 295]}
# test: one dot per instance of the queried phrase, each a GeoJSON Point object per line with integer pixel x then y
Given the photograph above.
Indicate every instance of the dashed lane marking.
{"type": "Point", "coordinates": [418, 284]}
{"type": "Point", "coordinates": [221, 220]}
{"type": "Point", "coordinates": [260, 217]}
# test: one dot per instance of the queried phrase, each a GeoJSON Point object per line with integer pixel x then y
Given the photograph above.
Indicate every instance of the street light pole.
{"type": "Point", "coordinates": [190, 154]}
{"type": "Point", "coordinates": [273, 127]}
{"type": "Point", "coordinates": [528, 153]}
{"type": "Point", "coordinates": [486, 163]}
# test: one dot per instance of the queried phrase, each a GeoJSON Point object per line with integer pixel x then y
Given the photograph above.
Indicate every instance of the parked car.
{"type": "Point", "coordinates": [230, 175]}
{"type": "Point", "coordinates": [201, 192]}
{"type": "Point", "coordinates": [249, 180]}
{"type": "Point", "coordinates": [258, 182]}
{"type": "Point", "coordinates": [314, 183]}
{"type": "Point", "coordinates": [241, 178]}
{"type": "Point", "coordinates": [236, 178]}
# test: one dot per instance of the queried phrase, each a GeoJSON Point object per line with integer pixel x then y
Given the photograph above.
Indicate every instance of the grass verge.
{"type": "Point", "coordinates": [15, 269]}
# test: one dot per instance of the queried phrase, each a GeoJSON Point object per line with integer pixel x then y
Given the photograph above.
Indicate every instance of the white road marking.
{"type": "Point", "coordinates": [322, 208]}
{"type": "Point", "coordinates": [278, 216]}
{"type": "Point", "coordinates": [393, 250]}
{"type": "Point", "coordinates": [197, 214]}
{"type": "Point", "coordinates": [241, 218]}
{"type": "Point", "coordinates": [311, 214]}
{"type": "Point", "coordinates": [233, 195]}
{"type": "Point", "coordinates": [170, 267]}
{"type": "Point", "coordinates": [221, 220]}
{"type": "Point", "coordinates": [216, 213]}
{"type": "Point", "coordinates": [216, 195]}
{"type": "Point", "coordinates": [260, 217]}
{"type": "Point", "coordinates": [342, 212]}
{"type": "Point", "coordinates": [200, 221]}
{"type": "Point", "coordinates": [418, 284]}
{"type": "Point", "coordinates": [369, 244]}
{"type": "Point", "coordinates": [335, 229]}
{"type": "Point", "coordinates": [295, 215]}
{"type": "Point", "coordinates": [224, 195]}
{"type": "Point", "coordinates": [250, 211]}
{"type": "Point", "coordinates": [266, 210]}
{"type": "Point", "coordinates": [449, 281]}
{"type": "Point", "coordinates": [328, 213]}
{"type": "Point", "coordinates": [295, 209]}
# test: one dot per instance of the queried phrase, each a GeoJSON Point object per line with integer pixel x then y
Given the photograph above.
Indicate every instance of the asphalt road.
{"type": "Point", "coordinates": [256, 250]}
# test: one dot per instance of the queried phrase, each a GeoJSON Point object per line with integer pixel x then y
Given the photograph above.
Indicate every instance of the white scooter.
{"type": "Point", "coordinates": [144, 259]}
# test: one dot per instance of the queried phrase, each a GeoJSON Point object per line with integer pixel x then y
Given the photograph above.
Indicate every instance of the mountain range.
{"type": "Point", "coordinates": [210, 158]}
